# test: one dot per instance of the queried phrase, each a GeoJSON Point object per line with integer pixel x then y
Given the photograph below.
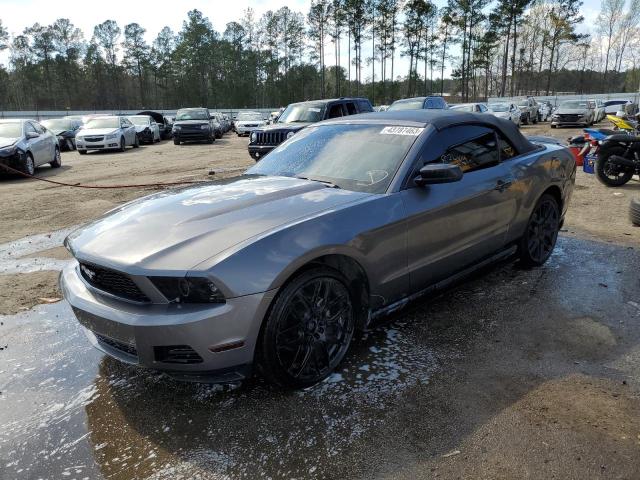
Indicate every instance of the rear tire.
{"type": "Point", "coordinates": [57, 159]}
{"type": "Point", "coordinates": [308, 329]}
{"type": "Point", "coordinates": [604, 172]}
{"type": "Point", "coordinates": [539, 238]}
{"type": "Point", "coordinates": [634, 211]}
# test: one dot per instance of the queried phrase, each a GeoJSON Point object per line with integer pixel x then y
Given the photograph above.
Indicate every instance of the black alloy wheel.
{"type": "Point", "coordinates": [541, 233]}
{"type": "Point", "coordinates": [309, 329]}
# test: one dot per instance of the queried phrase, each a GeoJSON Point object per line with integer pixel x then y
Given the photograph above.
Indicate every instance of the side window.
{"type": "Point", "coordinates": [335, 111]}
{"type": "Point", "coordinates": [482, 108]}
{"type": "Point", "coordinates": [476, 154]}
{"type": "Point", "coordinates": [507, 150]}
{"type": "Point", "coordinates": [364, 106]}
{"type": "Point", "coordinates": [430, 104]}
{"type": "Point", "coordinates": [29, 128]}
{"type": "Point", "coordinates": [37, 127]}
{"type": "Point", "coordinates": [351, 108]}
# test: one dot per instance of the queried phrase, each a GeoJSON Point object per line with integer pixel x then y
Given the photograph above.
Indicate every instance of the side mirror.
{"type": "Point", "coordinates": [434, 173]}
{"type": "Point", "coordinates": [32, 135]}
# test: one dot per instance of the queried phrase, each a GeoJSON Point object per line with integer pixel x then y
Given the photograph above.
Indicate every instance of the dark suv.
{"type": "Point", "coordinates": [297, 116]}
{"type": "Point", "coordinates": [193, 124]}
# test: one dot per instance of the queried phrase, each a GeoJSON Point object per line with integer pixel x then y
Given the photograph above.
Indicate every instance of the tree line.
{"type": "Point", "coordinates": [491, 48]}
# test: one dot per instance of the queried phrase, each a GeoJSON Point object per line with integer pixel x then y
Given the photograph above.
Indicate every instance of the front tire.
{"type": "Point", "coordinates": [308, 330]}
{"type": "Point", "coordinates": [136, 142]}
{"type": "Point", "coordinates": [82, 152]}
{"type": "Point", "coordinates": [57, 159]}
{"type": "Point", "coordinates": [607, 173]}
{"type": "Point", "coordinates": [539, 239]}
{"type": "Point", "coordinates": [176, 141]}
{"type": "Point", "coordinates": [28, 165]}
{"type": "Point", "coordinates": [634, 211]}
{"type": "Point", "coordinates": [123, 144]}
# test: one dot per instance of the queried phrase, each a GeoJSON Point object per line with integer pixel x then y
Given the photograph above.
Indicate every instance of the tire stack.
{"type": "Point", "coordinates": [634, 211]}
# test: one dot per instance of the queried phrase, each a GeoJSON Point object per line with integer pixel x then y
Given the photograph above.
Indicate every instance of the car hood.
{"type": "Point", "coordinates": [173, 231]}
{"type": "Point", "coordinates": [60, 131]}
{"type": "Point", "coordinates": [87, 132]}
{"type": "Point", "coordinates": [572, 111]}
{"type": "Point", "coordinates": [191, 122]}
{"type": "Point", "coordinates": [289, 127]}
{"type": "Point", "coordinates": [249, 122]}
{"type": "Point", "coordinates": [7, 141]}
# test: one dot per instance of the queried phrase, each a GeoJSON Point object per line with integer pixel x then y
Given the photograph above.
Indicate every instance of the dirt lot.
{"type": "Point", "coordinates": [513, 374]}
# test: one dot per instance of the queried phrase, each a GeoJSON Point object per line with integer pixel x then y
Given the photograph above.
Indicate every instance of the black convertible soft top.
{"type": "Point", "coordinates": [441, 119]}
{"type": "Point", "coordinates": [157, 117]}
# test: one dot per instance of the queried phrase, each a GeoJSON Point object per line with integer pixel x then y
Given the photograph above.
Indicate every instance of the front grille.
{"type": "Point", "coordinates": [183, 354]}
{"type": "Point", "coordinates": [271, 138]}
{"type": "Point", "coordinates": [112, 282]}
{"type": "Point", "coordinates": [121, 346]}
{"type": "Point", "coordinates": [249, 125]}
{"type": "Point", "coordinates": [569, 118]}
{"type": "Point", "coordinates": [94, 139]}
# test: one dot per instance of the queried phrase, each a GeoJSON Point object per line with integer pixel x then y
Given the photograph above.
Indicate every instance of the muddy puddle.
{"type": "Point", "coordinates": [67, 411]}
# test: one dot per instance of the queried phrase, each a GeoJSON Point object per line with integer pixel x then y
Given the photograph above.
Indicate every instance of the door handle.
{"type": "Point", "coordinates": [502, 185]}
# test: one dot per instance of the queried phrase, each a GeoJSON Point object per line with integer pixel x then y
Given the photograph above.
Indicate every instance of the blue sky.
{"type": "Point", "coordinates": [154, 14]}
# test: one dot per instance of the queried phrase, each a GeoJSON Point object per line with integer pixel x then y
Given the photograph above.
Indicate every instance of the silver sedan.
{"type": "Point", "coordinates": [343, 222]}
{"type": "Point", "coordinates": [106, 133]}
{"type": "Point", "coordinates": [25, 145]}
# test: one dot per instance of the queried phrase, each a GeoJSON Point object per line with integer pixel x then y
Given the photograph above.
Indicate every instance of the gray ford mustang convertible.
{"type": "Point", "coordinates": [345, 221]}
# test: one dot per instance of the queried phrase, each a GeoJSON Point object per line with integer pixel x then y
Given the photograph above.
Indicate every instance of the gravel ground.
{"type": "Point", "coordinates": [512, 374]}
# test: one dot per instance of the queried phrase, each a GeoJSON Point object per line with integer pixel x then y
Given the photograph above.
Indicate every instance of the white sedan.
{"type": "Point", "coordinates": [106, 133]}
{"type": "Point", "coordinates": [146, 127]}
{"type": "Point", "coordinates": [509, 111]}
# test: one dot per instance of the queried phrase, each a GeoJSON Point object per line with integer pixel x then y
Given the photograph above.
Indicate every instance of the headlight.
{"type": "Point", "coordinates": [111, 136]}
{"type": "Point", "coordinates": [204, 127]}
{"type": "Point", "coordinates": [177, 128]}
{"type": "Point", "coordinates": [188, 289]}
{"type": "Point", "coordinates": [8, 150]}
{"type": "Point", "coordinates": [253, 137]}
{"type": "Point", "coordinates": [290, 134]}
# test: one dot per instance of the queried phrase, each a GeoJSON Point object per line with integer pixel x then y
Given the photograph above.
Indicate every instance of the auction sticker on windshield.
{"type": "Point", "coordinates": [411, 131]}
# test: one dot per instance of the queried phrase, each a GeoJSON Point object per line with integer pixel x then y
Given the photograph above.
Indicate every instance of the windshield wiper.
{"type": "Point", "coordinates": [327, 183]}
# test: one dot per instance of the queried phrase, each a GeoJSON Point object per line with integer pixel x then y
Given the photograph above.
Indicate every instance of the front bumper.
{"type": "Point", "coordinates": [15, 160]}
{"type": "Point", "coordinates": [193, 135]}
{"type": "Point", "coordinates": [139, 334]}
{"type": "Point", "coordinates": [246, 130]}
{"type": "Point", "coordinates": [145, 136]}
{"type": "Point", "coordinates": [111, 144]}
{"type": "Point", "coordinates": [259, 151]}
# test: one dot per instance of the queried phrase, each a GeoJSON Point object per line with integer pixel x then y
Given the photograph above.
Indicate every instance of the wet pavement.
{"type": "Point", "coordinates": [409, 400]}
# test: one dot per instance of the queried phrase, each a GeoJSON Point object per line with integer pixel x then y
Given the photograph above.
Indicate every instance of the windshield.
{"type": "Point", "coordinates": [10, 130]}
{"type": "Point", "coordinates": [58, 124]}
{"type": "Point", "coordinates": [109, 122]}
{"type": "Point", "coordinates": [499, 107]}
{"type": "Point", "coordinates": [407, 105]}
{"type": "Point", "coordinates": [575, 104]}
{"type": "Point", "coordinates": [362, 158]}
{"type": "Point", "coordinates": [191, 115]}
{"type": "Point", "coordinates": [305, 113]}
{"type": "Point", "coordinates": [139, 120]}
{"type": "Point", "coordinates": [614, 102]}
{"type": "Point", "coordinates": [463, 108]}
{"type": "Point", "coordinates": [249, 116]}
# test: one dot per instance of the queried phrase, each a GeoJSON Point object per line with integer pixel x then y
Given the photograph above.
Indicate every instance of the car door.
{"type": "Point", "coordinates": [129, 131]}
{"type": "Point", "coordinates": [37, 144]}
{"type": "Point", "coordinates": [452, 225]}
